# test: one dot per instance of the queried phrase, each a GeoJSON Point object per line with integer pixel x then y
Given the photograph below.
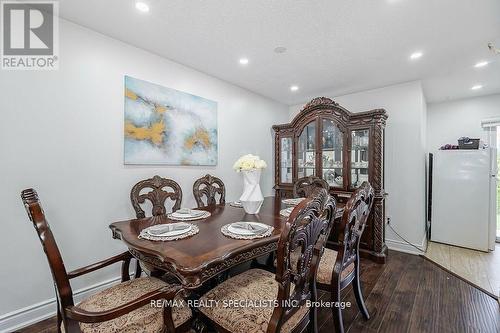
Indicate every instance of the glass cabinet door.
{"type": "Point", "coordinates": [359, 157]}
{"type": "Point", "coordinates": [306, 151]}
{"type": "Point", "coordinates": [332, 154]}
{"type": "Point", "coordinates": [286, 160]}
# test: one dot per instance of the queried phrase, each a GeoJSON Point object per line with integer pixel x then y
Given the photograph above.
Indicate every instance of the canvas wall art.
{"type": "Point", "coordinates": [167, 126]}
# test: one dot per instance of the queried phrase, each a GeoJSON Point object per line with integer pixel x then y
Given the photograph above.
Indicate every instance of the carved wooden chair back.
{"type": "Point", "coordinates": [68, 315]}
{"type": "Point", "coordinates": [351, 227]}
{"type": "Point", "coordinates": [209, 186]}
{"type": "Point", "coordinates": [304, 187]}
{"type": "Point", "coordinates": [299, 250]}
{"type": "Point", "coordinates": [36, 214]}
{"type": "Point", "coordinates": [157, 196]}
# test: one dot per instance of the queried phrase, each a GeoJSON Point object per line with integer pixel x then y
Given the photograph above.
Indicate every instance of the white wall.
{"type": "Point", "coordinates": [404, 156]}
{"type": "Point", "coordinates": [449, 121]}
{"type": "Point", "coordinates": [61, 132]}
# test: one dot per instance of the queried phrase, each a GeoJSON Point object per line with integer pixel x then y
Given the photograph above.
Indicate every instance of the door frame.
{"type": "Point", "coordinates": [491, 128]}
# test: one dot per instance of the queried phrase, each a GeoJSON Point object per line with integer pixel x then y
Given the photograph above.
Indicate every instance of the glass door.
{"type": "Point", "coordinates": [332, 154]}
{"type": "Point", "coordinates": [306, 151]}
{"type": "Point", "coordinates": [359, 157]}
{"type": "Point", "coordinates": [286, 145]}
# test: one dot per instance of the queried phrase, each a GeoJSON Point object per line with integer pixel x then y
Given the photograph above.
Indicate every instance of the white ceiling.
{"type": "Point", "coordinates": [341, 46]}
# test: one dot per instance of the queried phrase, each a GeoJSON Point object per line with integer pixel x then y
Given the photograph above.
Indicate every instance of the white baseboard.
{"type": "Point", "coordinates": [401, 246]}
{"type": "Point", "coordinates": [29, 315]}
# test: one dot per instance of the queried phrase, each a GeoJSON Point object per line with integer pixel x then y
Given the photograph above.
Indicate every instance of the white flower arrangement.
{"type": "Point", "coordinates": [249, 162]}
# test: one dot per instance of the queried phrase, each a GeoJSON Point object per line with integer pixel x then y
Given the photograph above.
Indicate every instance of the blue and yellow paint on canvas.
{"type": "Point", "coordinates": [167, 126]}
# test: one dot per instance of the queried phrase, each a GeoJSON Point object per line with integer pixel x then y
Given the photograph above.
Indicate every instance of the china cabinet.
{"type": "Point", "coordinates": [345, 149]}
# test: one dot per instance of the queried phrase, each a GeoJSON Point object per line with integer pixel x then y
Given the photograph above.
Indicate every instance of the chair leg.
{"type": "Point", "coordinates": [336, 310]}
{"type": "Point", "coordinates": [313, 313]}
{"type": "Point", "coordinates": [138, 269]}
{"type": "Point", "coordinates": [220, 278]}
{"type": "Point", "coordinates": [270, 261]}
{"type": "Point", "coordinates": [313, 323]}
{"type": "Point", "coordinates": [254, 263]}
{"type": "Point", "coordinates": [59, 317]}
{"type": "Point", "coordinates": [356, 285]}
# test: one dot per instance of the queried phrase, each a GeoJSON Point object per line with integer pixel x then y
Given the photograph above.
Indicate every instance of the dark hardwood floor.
{"type": "Point", "coordinates": [408, 294]}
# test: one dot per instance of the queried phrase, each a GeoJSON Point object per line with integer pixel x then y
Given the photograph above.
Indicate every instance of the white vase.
{"type": "Point", "coordinates": [252, 197]}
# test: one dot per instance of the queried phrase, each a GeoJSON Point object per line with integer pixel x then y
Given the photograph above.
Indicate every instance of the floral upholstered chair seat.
{"type": "Point", "coordinates": [145, 319]}
{"type": "Point", "coordinates": [248, 288]}
{"type": "Point", "coordinates": [326, 264]}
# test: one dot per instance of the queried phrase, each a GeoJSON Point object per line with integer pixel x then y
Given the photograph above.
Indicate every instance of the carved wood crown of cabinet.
{"type": "Point", "coordinates": [310, 154]}
{"type": "Point", "coordinates": [321, 106]}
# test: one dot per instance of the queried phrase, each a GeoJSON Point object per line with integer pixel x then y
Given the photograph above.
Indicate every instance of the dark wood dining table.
{"type": "Point", "coordinates": [197, 259]}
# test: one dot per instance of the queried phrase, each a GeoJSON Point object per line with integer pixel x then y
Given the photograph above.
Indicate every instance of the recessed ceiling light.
{"type": "Point", "coordinates": [416, 55]}
{"type": "Point", "coordinates": [142, 6]}
{"type": "Point", "coordinates": [477, 87]}
{"type": "Point", "coordinates": [481, 64]}
{"type": "Point", "coordinates": [294, 88]}
{"type": "Point", "coordinates": [244, 61]}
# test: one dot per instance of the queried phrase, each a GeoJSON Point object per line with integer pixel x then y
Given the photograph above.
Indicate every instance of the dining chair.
{"type": "Point", "coordinates": [157, 196]}
{"type": "Point", "coordinates": [122, 307]}
{"type": "Point", "coordinates": [209, 186]}
{"type": "Point", "coordinates": [277, 302]}
{"type": "Point", "coordinates": [305, 186]}
{"type": "Point", "coordinates": [339, 269]}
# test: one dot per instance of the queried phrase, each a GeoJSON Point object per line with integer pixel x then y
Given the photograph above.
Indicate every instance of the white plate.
{"type": "Point", "coordinates": [244, 232]}
{"type": "Point", "coordinates": [292, 202]}
{"type": "Point", "coordinates": [168, 229]}
{"type": "Point", "coordinates": [193, 213]}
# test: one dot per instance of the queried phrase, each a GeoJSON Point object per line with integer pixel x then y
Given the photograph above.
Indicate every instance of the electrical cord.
{"type": "Point", "coordinates": [423, 251]}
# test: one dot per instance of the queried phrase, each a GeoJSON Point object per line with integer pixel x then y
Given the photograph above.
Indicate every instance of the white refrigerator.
{"type": "Point", "coordinates": [463, 209]}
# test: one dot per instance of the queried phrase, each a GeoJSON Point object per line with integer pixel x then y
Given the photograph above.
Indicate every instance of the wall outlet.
{"type": "Point", "coordinates": [388, 219]}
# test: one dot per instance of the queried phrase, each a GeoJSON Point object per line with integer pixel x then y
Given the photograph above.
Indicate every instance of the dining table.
{"type": "Point", "coordinates": [203, 256]}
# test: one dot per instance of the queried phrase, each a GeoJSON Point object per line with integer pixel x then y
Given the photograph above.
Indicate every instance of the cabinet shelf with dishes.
{"type": "Point", "coordinates": [326, 140]}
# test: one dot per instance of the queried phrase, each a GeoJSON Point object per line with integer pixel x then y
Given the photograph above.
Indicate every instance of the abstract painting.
{"type": "Point", "coordinates": [167, 126]}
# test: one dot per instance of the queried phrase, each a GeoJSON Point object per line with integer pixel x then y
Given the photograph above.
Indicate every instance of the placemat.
{"type": "Point", "coordinates": [284, 212]}
{"type": "Point", "coordinates": [191, 218]}
{"type": "Point", "coordinates": [226, 232]}
{"type": "Point", "coordinates": [292, 202]}
{"type": "Point", "coordinates": [145, 235]}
